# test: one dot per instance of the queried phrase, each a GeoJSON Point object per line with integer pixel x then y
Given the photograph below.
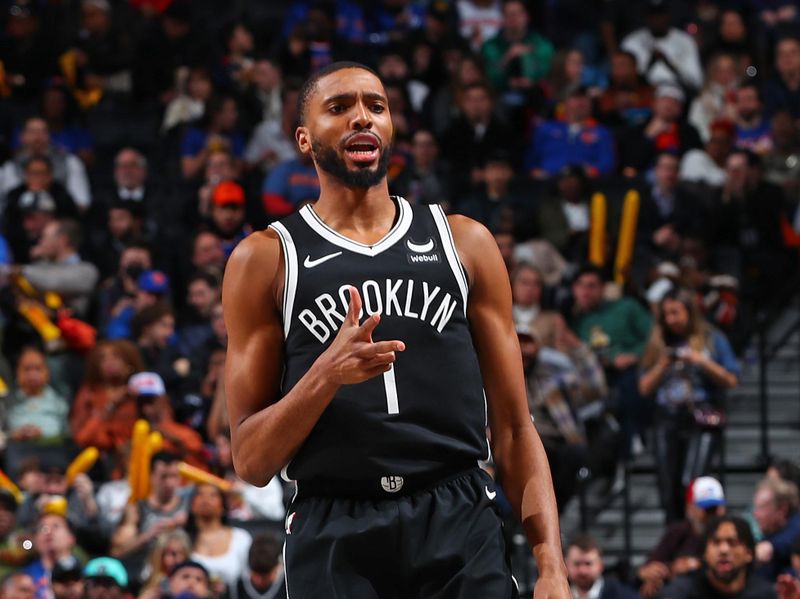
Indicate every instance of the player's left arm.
{"type": "Point", "coordinates": [518, 452]}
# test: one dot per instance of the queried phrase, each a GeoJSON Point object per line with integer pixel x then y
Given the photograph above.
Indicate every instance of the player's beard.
{"type": "Point", "coordinates": [363, 177]}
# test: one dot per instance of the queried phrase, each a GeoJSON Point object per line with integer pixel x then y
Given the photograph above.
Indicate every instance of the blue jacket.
{"type": "Point", "coordinates": [553, 147]}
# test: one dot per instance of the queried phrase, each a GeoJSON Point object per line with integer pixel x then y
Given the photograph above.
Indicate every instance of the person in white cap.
{"type": "Point", "coordinates": [681, 545]}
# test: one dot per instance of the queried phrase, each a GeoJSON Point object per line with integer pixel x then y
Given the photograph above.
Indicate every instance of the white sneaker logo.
{"type": "Point", "coordinates": [309, 263]}
{"type": "Point", "coordinates": [490, 494]}
{"type": "Point", "coordinates": [420, 248]}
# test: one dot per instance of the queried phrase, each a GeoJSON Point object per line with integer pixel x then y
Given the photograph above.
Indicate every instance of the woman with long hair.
{"type": "Point", "coordinates": [718, 96]}
{"type": "Point", "coordinates": [687, 366]}
{"type": "Point", "coordinates": [221, 548]}
{"type": "Point", "coordinates": [171, 548]}
{"type": "Point", "coordinates": [103, 412]}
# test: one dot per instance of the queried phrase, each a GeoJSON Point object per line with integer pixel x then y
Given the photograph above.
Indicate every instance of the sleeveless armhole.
{"type": "Point", "coordinates": [289, 274]}
{"type": "Point", "coordinates": [450, 252]}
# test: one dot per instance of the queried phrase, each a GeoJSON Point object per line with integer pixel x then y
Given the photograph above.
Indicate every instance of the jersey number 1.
{"type": "Point", "coordinates": [390, 385]}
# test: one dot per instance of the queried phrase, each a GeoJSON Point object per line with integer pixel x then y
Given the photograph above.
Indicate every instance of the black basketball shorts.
{"type": "Point", "coordinates": [445, 542]}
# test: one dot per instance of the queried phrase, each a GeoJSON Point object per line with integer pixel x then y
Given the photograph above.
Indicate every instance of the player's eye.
{"type": "Point", "coordinates": [378, 108]}
{"type": "Point", "coordinates": [336, 108]}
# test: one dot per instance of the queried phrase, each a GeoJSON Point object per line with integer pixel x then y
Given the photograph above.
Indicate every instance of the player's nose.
{"type": "Point", "coordinates": [362, 118]}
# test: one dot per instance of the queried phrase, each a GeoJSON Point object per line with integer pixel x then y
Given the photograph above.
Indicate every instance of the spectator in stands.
{"type": "Point", "coordinates": [707, 165]}
{"type": "Point", "coordinates": [152, 286]}
{"type": "Point", "coordinates": [746, 238]}
{"type": "Point", "coordinates": [668, 214]}
{"type": "Point", "coordinates": [35, 411]}
{"type": "Point", "coordinates": [687, 366]}
{"type": "Point", "coordinates": [31, 205]}
{"type": "Point", "coordinates": [569, 72]}
{"type": "Point", "coordinates": [495, 203]}
{"type": "Point", "coordinates": [216, 131]}
{"type": "Point", "coordinates": [664, 53]}
{"type": "Point", "coordinates": [527, 285]}
{"type": "Point", "coordinates": [681, 545]}
{"type": "Point", "coordinates": [125, 227]}
{"type": "Point", "coordinates": [443, 104]}
{"type": "Point", "coordinates": [234, 69]}
{"type": "Point", "coordinates": [177, 42]}
{"type": "Point", "coordinates": [67, 168]}
{"type": "Point", "coordinates": [516, 58]}
{"type": "Point", "coordinates": [272, 141]}
{"type": "Point", "coordinates": [103, 412]}
{"type": "Point", "coordinates": [163, 510]}
{"type": "Point", "coordinates": [104, 53]}
{"type": "Point", "coordinates": [264, 574]}
{"type": "Point", "coordinates": [563, 376]}
{"type": "Point", "coordinates": [67, 580]}
{"type": "Point", "coordinates": [203, 295]}
{"type": "Point", "coordinates": [288, 186]}
{"type": "Point", "coordinates": [18, 585]}
{"type": "Point", "coordinates": [60, 111]}
{"type": "Point", "coordinates": [584, 559]}
{"type": "Point", "coordinates": [473, 136]}
{"type": "Point", "coordinates": [782, 92]}
{"type": "Point", "coordinates": [752, 127]}
{"type": "Point", "coordinates": [154, 406]}
{"type": "Point", "coordinates": [29, 51]}
{"type": "Point", "coordinates": [727, 566]}
{"type": "Point", "coordinates": [53, 541]}
{"type": "Point", "coordinates": [195, 89]}
{"type": "Point", "coordinates": [576, 140]}
{"type": "Point", "coordinates": [221, 548]}
{"type": "Point", "coordinates": [262, 102]}
{"type": "Point", "coordinates": [666, 131]}
{"type": "Point", "coordinates": [775, 508]}
{"type": "Point", "coordinates": [617, 331]}
{"type": "Point", "coordinates": [189, 579]}
{"type": "Point", "coordinates": [543, 256]}
{"type": "Point", "coordinates": [425, 180]}
{"type": "Point", "coordinates": [106, 578]}
{"type": "Point", "coordinates": [219, 168]}
{"type": "Point", "coordinates": [782, 162]}
{"type": "Point", "coordinates": [60, 269]}
{"type": "Point", "coordinates": [116, 292]}
{"type": "Point", "coordinates": [132, 184]}
{"type": "Point", "coordinates": [153, 331]}
{"type": "Point", "coordinates": [207, 252]}
{"type": "Point", "coordinates": [718, 96]}
{"type": "Point", "coordinates": [733, 38]}
{"type": "Point", "coordinates": [171, 548]}
{"type": "Point", "coordinates": [479, 20]}
{"type": "Point", "coordinates": [227, 218]}
{"type": "Point", "coordinates": [628, 98]}
{"type": "Point", "coordinates": [12, 552]}
{"type": "Point", "coordinates": [563, 218]}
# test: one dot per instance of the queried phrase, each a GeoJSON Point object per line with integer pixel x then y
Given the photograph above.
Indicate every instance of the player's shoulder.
{"type": "Point", "coordinates": [468, 231]}
{"type": "Point", "coordinates": [259, 252]}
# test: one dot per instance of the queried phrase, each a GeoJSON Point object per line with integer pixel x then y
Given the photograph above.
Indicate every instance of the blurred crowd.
{"type": "Point", "coordinates": [637, 163]}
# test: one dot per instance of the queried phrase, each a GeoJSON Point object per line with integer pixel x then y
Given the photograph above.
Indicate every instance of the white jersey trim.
{"type": "Point", "coordinates": [450, 251]}
{"type": "Point", "coordinates": [290, 268]}
{"type": "Point", "coordinates": [397, 232]}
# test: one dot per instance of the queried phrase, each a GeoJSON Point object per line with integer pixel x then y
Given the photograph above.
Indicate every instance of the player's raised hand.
{"type": "Point", "coordinates": [354, 357]}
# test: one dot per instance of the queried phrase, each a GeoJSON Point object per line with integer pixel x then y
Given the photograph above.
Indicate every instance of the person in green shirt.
{"type": "Point", "coordinates": [617, 331]}
{"type": "Point", "coordinates": [516, 58]}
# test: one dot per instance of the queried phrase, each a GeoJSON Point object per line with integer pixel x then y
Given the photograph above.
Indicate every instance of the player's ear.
{"type": "Point", "coordinates": [303, 140]}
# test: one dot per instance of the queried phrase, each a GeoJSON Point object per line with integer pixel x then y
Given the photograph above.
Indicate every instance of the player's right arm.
{"type": "Point", "coordinates": [267, 429]}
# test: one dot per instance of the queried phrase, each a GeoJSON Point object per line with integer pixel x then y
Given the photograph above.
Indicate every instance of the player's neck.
{"type": "Point", "coordinates": [363, 214]}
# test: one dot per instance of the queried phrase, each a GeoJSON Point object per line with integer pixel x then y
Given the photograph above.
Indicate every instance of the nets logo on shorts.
{"type": "Point", "coordinates": [392, 484]}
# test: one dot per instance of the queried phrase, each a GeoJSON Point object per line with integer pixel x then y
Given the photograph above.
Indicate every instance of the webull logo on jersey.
{"type": "Point", "coordinates": [391, 297]}
{"type": "Point", "coordinates": [422, 253]}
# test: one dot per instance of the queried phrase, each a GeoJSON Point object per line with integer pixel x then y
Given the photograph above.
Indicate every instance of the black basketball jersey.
{"type": "Point", "coordinates": [429, 411]}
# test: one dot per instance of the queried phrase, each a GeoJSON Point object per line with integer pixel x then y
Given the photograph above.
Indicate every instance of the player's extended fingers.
{"type": "Point", "coordinates": [376, 371]}
{"type": "Point", "coordinates": [354, 308]}
{"type": "Point", "coordinates": [379, 359]}
{"type": "Point", "coordinates": [366, 328]}
{"type": "Point", "coordinates": [369, 350]}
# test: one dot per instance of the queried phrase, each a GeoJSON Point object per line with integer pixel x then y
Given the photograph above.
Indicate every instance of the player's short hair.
{"type": "Point", "coordinates": [310, 85]}
{"type": "Point", "coordinates": [585, 543]}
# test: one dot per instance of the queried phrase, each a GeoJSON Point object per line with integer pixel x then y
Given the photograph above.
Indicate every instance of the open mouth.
{"type": "Point", "coordinates": [363, 148]}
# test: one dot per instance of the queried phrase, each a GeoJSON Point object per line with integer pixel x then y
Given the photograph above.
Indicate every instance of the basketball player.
{"type": "Point", "coordinates": [362, 334]}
